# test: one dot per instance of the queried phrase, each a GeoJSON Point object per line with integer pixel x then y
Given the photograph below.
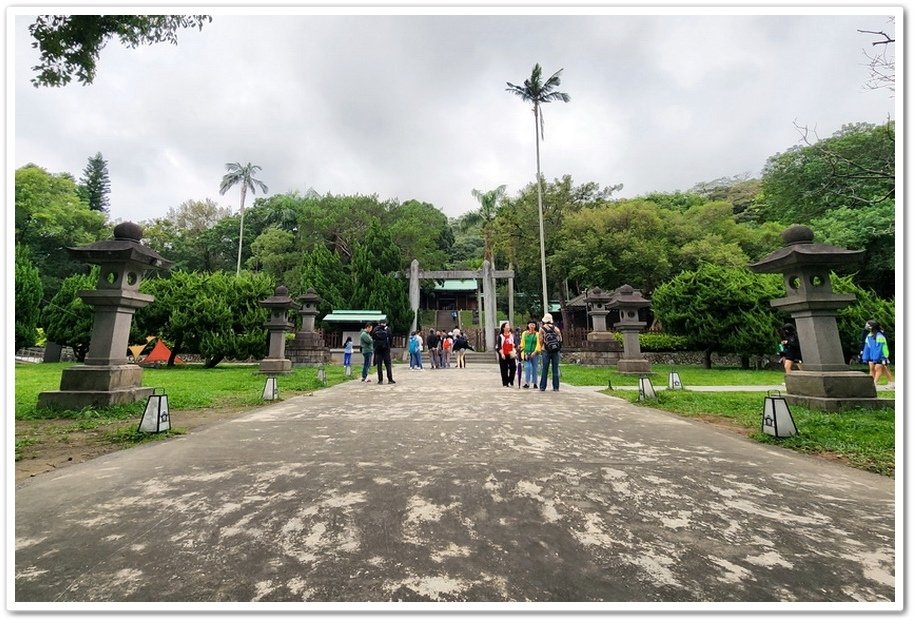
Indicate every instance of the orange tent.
{"type": "Point", "coordinates": [160, 354]}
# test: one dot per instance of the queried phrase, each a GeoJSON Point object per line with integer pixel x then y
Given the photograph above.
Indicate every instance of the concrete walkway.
{"type": "Point", "coordinates": [449, 487]}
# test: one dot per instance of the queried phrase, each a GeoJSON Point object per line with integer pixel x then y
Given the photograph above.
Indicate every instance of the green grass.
{"type": "Point", "coordinates": [690, 375]}
{"type": "Point", "coordinates": [862, 437]}
{"type": "Point", "coordinates": [188, 387]}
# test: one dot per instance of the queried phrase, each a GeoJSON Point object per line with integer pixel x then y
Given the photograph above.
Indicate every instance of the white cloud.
{"type": "Point", "coordinates": [415, 106]}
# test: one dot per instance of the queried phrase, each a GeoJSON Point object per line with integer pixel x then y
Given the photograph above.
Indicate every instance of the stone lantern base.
{"type": "Point", "coordinates": [633, 366]}
{"type": "Point", "coordinates": [275, 366]}
{"type": "Point", "coordinates": [308, 348]}
{"type": "Point", "coordinates": [833, 391]}
{"type": "Point", "coordinates": [97, 386]}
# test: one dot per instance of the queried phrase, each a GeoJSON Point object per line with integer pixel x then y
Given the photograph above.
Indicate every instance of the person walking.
{"type": "Point", "coordinates": [381, 340]}
{"type": "Point", "coordinates": [789, 349]}
{"type": "Point", "coordinates": [432, 345]}
{"type": "Point", "coordinates": [413, 349]}
{"type": "Point", "coordinates": [551, 342]}
{"type": "Point", "coordinates": [876, 353]}
{"type": "Point", "coordinates": [506, 352]}
{"type": "Point", "coordinates": [530, 349]}
{"type": "Point", "coordinates": [366, 348]}
{"type": "Point", "coordinates": [460, 347]}
{"type": "Point", "coordinates": [348, 356]}
{"type": "Point", "coordinates": [447, 344]}
{"type": "Point", "coordinates": [441, 352]}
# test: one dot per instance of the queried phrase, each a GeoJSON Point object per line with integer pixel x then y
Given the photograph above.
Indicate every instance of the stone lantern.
{"type": "Point", "coordinates": [629, 301]}
{"type": "Point", "coordinates": [597, 301]}
{"type": "Point", "coordinates": [825, 380]}
{"type": "Point", "coordinates": [602, 349]}
{"type": "Point", "coordinates": [277, 325]}
{"type": "Point", "coordinates": [308, 345]}
{"type": "Point", "coordinates": [107, 377]}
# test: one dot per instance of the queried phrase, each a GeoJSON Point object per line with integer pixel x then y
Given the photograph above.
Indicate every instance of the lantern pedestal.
{"type": "Point", "coordinates": [833, 391]}
{"type": "Point", "coordinates": [101, 386]}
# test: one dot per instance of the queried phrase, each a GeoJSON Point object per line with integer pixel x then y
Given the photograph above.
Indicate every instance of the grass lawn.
{"type": "Point", "coordinates": [864, 438]}
{"type": "Point", "coordinates": [188, 387]}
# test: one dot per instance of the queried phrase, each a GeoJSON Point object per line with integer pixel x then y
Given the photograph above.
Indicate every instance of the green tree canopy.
{"type": "Point", "coordinates": [70, 44]}
{"type": "Point", "coordinates": [67, 319]}
{"type": "Point", "coordinates": [29, 293]}
{"type": "Point", "coordinates": [721, 309]}
{"type": "Point", "coordinates": [217, 315]}
{"type": "Point", "coordinates": [51, 216]}
{"type": "Point", "coordinates": [853, 168]}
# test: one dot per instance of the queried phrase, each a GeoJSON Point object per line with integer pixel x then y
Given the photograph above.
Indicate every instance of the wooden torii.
{"type": "Point", "coordinates": [486, 274]}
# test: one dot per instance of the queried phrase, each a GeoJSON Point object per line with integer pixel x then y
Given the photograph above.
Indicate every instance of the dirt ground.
{"type": "Point", "coordinates": [53, 444]}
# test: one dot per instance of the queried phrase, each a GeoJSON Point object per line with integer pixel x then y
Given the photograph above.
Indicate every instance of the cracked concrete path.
{"type": "Point", "coordinates": [449, 487]}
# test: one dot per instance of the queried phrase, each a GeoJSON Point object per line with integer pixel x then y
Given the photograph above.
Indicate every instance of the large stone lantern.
{"type": "Point", "coordinates": [107, 377]}
{"type": "Point", "coordinates": [629, 301]}
{"type": "Point", "coordinates": [308, 345]}
{"type": "Point", "coordinates": [277, 325]}
{"type": "Point", "coordinates": [825, 380]}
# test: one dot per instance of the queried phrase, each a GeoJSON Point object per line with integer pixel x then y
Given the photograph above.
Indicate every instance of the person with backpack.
{"type": "Point", "coordinates": [381, 341]}
{"type": "Point", "coordinates": [366, 348]}
{"type": "Point", "coordinates": [506, 353]}
{"type": "Point", "coordinates": [551, 341]}
{"type": "Point", "coordinates": [413, 349]}
{"type": "Point", "coordinates": [461, 346]}
{"type": "Point", "coordinates": [876, 353]}
{"type": "Point", "coordinates": [447, 344]}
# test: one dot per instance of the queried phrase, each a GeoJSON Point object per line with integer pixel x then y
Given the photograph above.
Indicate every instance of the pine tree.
{"type": "Point", "coordinates": [95, 185]}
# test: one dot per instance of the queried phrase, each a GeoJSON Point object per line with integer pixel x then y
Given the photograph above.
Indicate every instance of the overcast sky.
{"type": "Point", "coordinates": [416, 107]}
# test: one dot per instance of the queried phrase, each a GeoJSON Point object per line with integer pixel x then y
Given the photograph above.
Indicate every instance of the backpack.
{"type": "Point", "coordinates": [380, 337]}
{"type": "Point", "coordinates": [551, 340]}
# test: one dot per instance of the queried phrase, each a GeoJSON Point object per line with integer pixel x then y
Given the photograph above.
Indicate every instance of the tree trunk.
{"type": "Point", "coordinates": [211, 362]}
{"type": "Point", "coordinates": [238, 266]}
{"type": "Point", "coordinates": [745, 362]}
{"type": "Point", "coordinates": [537, 148]}
{"type": "Point", "coordinates": [174, 353]}
{"type": "Point", "coordinates": [707, 358]}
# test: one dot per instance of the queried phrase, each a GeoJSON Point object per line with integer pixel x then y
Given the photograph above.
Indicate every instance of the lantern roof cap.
{"type": "Point", "coordinates": [627, 295]}
{"type": "Point", "coordinates": [800, 250]}
{"type": "Point", "coordinates": [124, 247]}
{"type": "Point", "coordinates": [279, 299]}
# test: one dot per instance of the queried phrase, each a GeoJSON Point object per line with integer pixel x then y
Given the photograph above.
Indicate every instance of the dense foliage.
{"type": "Point", "coordinates": [690, 247]}
{"type": "Point", "coordinates": [67, 319]}
{"type": "Point", "coordinates": [29, 293]}
{"type": "Point", "coordinates": [721, 309]}
{"type": "Point", "coordinates": [51, 216]}
{"type": "Point", "coordinates": [217, 315]}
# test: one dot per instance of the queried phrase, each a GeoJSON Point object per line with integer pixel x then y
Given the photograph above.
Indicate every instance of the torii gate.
{"type": "Point", "coordinates": [486, 274]}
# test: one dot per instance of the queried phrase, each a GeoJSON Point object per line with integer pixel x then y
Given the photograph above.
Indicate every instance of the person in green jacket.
{"type": "Point", "coordinates": [366, 348]}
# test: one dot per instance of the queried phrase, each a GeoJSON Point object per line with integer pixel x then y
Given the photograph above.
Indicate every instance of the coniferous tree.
{"type": "Point", "coordinates": [95, 185]}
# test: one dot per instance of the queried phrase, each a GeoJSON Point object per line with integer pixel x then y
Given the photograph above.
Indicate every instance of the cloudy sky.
{"type": "Point", "coordinates": [415, 106]}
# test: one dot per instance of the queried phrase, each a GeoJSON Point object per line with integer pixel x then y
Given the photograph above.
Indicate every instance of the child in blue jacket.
{"type": "Point", "coordinates": [876, 353]}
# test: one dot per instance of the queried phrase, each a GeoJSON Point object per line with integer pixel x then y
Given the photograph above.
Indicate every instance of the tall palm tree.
{"type": "Point", "coordinates": [539, 93]}
{"type": "Point", "coordinates": [238, 174]}
{"type": "Point", "coordinates": [485, 215]}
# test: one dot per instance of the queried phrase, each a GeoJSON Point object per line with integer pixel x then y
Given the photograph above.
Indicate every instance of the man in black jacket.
{"type": "Point", "coordinates": [432, 345]}
{"type": "Point", "coordinates": [381, 340]}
